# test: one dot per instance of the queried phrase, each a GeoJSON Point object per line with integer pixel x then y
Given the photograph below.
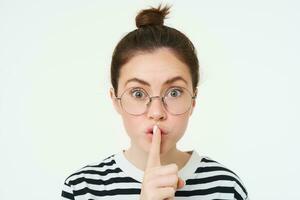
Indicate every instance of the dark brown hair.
{"type": "Point", "coordinates": [150, 35]}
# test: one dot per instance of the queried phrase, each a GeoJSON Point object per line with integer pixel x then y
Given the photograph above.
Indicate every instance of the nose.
{"type": "Point", "coordinates": [156, 109]}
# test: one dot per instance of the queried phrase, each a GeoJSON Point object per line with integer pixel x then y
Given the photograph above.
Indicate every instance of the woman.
{"type": "Point", "coordinates": [154, 75]}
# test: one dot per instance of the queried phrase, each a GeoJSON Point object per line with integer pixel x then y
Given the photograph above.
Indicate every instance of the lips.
{"type": "Point", "coordinates": [150, 130]}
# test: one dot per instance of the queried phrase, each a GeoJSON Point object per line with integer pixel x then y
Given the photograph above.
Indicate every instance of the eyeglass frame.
{"type": "Point", "coordinates": [153, 97]}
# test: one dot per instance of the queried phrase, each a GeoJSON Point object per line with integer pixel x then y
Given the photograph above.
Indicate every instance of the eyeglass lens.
{"type": "Point", "coordinates": [177, 100]}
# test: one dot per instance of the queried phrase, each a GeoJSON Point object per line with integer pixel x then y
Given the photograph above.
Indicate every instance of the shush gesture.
{"type": "Point", "coordinates": [159, 182]}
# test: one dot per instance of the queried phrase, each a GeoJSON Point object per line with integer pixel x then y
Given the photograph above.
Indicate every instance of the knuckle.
{"type": "Point", "coordinates": [174, 166]}
{"type": "Point", "coordinates": [171, 191]}
{"type": "Point", "coordinates": [174, 178]}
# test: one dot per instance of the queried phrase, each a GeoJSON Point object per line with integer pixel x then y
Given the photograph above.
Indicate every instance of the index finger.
{"type": "Point", "coordinates": [154, 152]}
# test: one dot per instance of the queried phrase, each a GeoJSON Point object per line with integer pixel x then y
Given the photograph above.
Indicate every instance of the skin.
{"type": "Point", "coordinates": [155, 68]}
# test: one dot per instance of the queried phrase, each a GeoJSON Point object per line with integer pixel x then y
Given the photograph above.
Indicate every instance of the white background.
{"type": "Point", "coordinates": [56, 115]}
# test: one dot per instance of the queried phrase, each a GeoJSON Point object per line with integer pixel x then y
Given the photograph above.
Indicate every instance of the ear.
{"type": "Point", "coordinates": [115, 101]}
{"type": "Point", "coordinates": [194, 102]}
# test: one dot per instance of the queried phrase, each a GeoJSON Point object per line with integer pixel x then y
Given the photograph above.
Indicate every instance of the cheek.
{"type": "Point", "coordinates": [179, 124]}
{"type": "Point", "coordinates": [131, 124]}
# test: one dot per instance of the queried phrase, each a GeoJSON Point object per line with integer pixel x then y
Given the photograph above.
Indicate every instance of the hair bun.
{"type": "Point", "coordinates": [152, 16]}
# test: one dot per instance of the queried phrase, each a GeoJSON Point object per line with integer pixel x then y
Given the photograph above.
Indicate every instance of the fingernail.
{"type": "Point", "coordinates": [154, 129]}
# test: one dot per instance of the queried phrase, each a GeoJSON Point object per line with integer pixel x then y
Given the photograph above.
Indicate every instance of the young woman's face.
{"type": "Point", "coordinates": [154, 69]}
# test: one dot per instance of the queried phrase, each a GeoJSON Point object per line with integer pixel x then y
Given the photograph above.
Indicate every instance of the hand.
{"type": "Point", "coordinates": [159, 182]}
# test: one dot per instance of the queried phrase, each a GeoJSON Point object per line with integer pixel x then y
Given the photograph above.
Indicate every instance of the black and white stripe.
{"type": "Point", "coordinates": [107, 180]}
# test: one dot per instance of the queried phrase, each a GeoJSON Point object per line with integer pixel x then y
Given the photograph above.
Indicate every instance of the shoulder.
{"type": "Point", "coordinates": [96, 169]}
{"type": "Point", "coordinates": [101, 179]}
{"type": "Point", "coordinates": [212, 171]}
{"type": "Point", "coordinates": [209, 165]}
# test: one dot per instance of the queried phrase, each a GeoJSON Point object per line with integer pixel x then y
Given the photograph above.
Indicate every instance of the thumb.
{"type": "Point", "coordinates": [180, 183]}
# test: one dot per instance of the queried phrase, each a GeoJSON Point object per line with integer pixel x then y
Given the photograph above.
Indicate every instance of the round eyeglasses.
{"type": "Point", "coordinates": [176, 100]}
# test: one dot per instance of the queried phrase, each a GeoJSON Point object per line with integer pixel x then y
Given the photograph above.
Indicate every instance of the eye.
{"type": "Point", "coordinates": [175, 92]}
{"type": "Point", "coordinates": [138, 93]}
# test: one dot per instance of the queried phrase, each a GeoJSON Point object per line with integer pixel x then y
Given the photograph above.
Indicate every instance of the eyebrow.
{"type": "Point", "coordinates": [171, 80]}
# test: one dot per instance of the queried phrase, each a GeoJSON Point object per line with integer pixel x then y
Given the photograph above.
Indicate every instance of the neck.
{"type": "Point", "coordinates": [139, 158]}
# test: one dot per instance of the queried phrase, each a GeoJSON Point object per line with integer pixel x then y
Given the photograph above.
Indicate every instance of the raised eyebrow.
{"type": "Point", "coordinates": [171, 80]}
{"type": "Point", "coordinates": [176, 78]}
{"type": "Point", "coordinates": [137, 80]}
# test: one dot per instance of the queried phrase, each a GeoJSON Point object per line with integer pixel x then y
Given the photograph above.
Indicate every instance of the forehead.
{"type": "Point", "coordinates": [155, 69]}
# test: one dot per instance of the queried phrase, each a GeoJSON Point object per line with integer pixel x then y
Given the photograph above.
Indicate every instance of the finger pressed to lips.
{"type": "Point", "coordinates": [150, 130]}
{"type": "Point", "coordinates": [154, 152]}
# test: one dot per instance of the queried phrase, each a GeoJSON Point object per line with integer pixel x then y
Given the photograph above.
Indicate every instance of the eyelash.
{"type": "Point", "coordinates": [177, 89]}
{"type": "Point", "coordinates": [136, 90]}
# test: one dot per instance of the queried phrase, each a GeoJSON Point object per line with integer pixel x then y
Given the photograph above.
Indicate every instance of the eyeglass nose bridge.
{"type": "Point", "coordinates": [156, 97]}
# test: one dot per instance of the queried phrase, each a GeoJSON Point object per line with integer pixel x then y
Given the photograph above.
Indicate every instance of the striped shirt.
{"type": "Point", "coordinates": [115, 178]}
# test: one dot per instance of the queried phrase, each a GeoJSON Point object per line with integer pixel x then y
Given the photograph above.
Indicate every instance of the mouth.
{"type": "Point", "coordinates": [150, 131]}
